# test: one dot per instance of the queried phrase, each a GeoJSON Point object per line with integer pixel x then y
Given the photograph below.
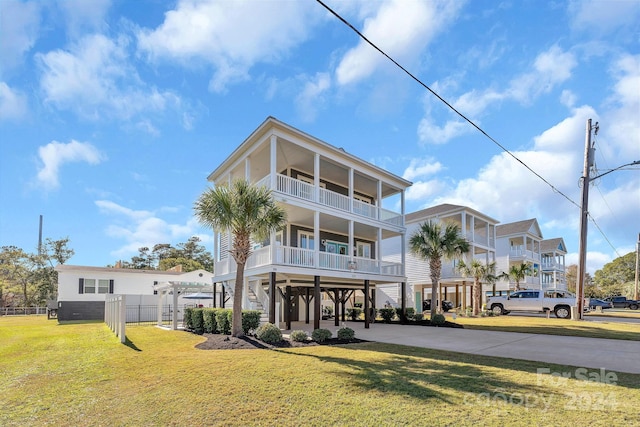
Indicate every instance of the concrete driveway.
{"type": "Point", "coordinates": [594, 353]}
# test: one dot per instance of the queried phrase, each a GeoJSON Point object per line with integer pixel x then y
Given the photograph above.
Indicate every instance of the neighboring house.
{"type": "Point", "coordinates": [340, 210]}
{"type": "Point", "coordinates": [553, 253]}
{"type": "Point", "coordinates": [82, 290]}
{"type": "Point", "coordinates": [518, 242]}
{"type": "Point", "coordinates": [479, 230]}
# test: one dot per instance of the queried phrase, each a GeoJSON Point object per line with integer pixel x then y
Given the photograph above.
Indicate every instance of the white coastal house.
{"type": "Point", "coordinates": [479, 230]}
{"type": "Point", "coordinates": [340, 211]}
{"type": "Point", "coordinates": [516, 243]}
{"type": "Point", "coordinates": [553, 267]}
{"type": "Point", "coordinates": [82, 290]}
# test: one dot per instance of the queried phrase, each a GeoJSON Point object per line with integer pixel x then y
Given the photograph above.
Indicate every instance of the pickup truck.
{"type": "Point", "coordinates": [558, 301]}
{"type": "Point", "coordinates": [623, 302]}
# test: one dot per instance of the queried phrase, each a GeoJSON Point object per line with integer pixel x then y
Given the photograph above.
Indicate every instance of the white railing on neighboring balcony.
{"type": "Point", "coordinates": [520, 252]}
{"type": "Point", "coordinates": [303, 190]}
{"type": "Point", "coordinates": [552, 266]}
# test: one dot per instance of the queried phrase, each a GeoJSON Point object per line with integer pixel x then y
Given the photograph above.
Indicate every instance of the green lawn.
{"type": "Point", "coordinates": [79, 374]}
{"type": "Point", "coordinates": [553, 326]}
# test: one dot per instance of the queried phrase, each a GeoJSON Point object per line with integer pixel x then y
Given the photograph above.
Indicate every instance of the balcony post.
{"type": "Point", "coordinates": [273, 162]}
{"type": "Point", "coordinates": [316, 178]}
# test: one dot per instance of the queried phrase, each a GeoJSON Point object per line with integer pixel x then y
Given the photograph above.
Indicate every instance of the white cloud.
{"type": "Point", "coordinates": [549, 69]}
{"type": "Point", "coordinates": [595, 260]}
{"type": "Point", "coordinates": [13, 104]}
{"type": "Point", "coordinates": [420, 23]}
{"type": "Point", "coordinates": [230, 36]}
{"type": "Point", "coordinates": [140, 228]}
{"type": "Point", "coordinates": [19, 26]}
{"type": "Point", "coordinates": [311, 98]}
{"type": "Point", "coordinates": [94, 79]}
{"type": "Point", "coordinates": [85, 16]}
{"type": "Point", "coordinates": [603, 16]}
{"type": "Point", "coordinates": [419, 168]}
{"type": "Point", "coordinates": [55, 154]}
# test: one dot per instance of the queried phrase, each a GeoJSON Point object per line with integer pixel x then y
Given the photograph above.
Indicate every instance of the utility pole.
{"type": "Point", "coordinates": [636, 296]}
{"type": "Point", "coordinates": [584, 219]}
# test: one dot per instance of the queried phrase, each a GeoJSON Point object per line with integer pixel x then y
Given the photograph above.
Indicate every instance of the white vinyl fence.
{"type": "Point", "coordinates": [115, 315]}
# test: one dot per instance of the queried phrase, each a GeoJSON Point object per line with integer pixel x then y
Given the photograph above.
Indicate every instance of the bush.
{"type": "Point", "coordinates": [299, 336]}
{"type": "Point", "coordinates": [354, 313]}
{"type": "Point", "coordinates": [209, 316]}
{"type": "Point", "coordinates": [320, 335]}
{"type": "Point", "coordinates": [223, 321]}
{"type": "Point", "coordinates": [387, 314]}
{"type": "Point", "coordinates": [411, 313]}
{"type": "Point", "coordinates": [438, 319]}
{"type": "Point", "coordinates": [187, 321]}
{"type": "Point", "coordinates": [346, 334]}
{"type": "Point", "coordinates": [250, 320]}
{"type": "Point", "coordinates": [269, 333]}
{"type": "Point", "coordinates": [197, 320]}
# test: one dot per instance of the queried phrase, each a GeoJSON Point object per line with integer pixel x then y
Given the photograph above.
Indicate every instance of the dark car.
{"type": "Point", "coordinates": [446, 305]}
{"type": "Point", "coordinates": [594, 303]}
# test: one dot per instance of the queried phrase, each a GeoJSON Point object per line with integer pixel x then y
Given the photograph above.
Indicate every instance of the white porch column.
{"type": "Point", "coordinates": [160, 295]}
{"type": "Point", "coordinates": [351, 240]}
{"type": "Point", "coordinates": [316, 239]}
{"type": "Point", "coordinates": [247, 169]}
{"type": "Point", "coordinates": [379, 201]}
{"type": "Point", "coordinates": [350, 189]}
{"type": "Point", "coordinates": [379, 247]}
{"type": "Point", "coordinates": [316, 177]}
{"type": "Point", "coordinates": [403, 252]}
{"type": "Point", "coordinates": [273, 164]}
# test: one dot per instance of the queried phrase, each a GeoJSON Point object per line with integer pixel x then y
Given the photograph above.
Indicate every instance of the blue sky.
{"type": "Point", "coordinates": [113, 113]}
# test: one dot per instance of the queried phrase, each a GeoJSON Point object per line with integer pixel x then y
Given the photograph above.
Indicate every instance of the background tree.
{"type": "Point", "coordinates": [28, 279]}
{"type": "Point", "coordinates": [590, 289]}
{"type": "Point", "coordinates": [518, 272]}
{"type": "Point", "coordinates": [615, 276]}
{"type": "Point", "coordinates": [246, 211]}
{"type": "Point", "coordinates": [480, 272]}
{"type": "Point", "coordinates": [432, 242]}
{"type": "Point", "coordinates": [191, 255]}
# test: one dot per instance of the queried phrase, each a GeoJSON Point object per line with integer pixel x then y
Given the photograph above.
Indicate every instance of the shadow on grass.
{"type": "Point", "coordinates": [423, 374]}
{"type": "Point", "coordinates": [130, 344]}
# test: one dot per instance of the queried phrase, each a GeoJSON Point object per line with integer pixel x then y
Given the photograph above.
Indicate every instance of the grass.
{"type": "Point", "coordinates": [554, 326]}
{"type": "Point", "coordinates": [79, 374]}
{"type": "Point", "coordinates": [617, 312]}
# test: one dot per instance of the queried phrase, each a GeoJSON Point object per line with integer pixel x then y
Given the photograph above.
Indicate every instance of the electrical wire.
{"type": "Point", "coordinates": [465, 118]}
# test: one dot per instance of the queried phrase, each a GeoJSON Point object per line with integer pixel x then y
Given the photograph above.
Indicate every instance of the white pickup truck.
{"type": "Point", "coordinates": [558, 301]}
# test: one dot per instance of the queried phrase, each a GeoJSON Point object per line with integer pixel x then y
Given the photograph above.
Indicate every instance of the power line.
{"type": "Point", "coordinates": [465, 118]}
{"type": "Point", "coordinates": [447, 103]}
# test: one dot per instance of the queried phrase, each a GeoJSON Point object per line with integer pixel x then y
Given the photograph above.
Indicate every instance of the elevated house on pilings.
{"type": "Point", "coordinates": [339, 211]}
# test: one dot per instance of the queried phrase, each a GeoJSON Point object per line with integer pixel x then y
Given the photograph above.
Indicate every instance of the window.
{"type": "Point", "coordinates": [89, 286]}
{"type": "Point", "coordinates": [305, 240]}
{"type": "Point", "coordinates": [363, 249]}
{"type": "Point", "coordinates": [103, 286]}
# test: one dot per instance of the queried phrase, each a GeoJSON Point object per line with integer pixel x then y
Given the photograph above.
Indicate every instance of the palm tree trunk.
{"type": "Point", "coordinates": [236, 324]}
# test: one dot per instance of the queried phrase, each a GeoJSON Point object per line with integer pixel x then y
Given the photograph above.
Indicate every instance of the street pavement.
{"type": "Point", "coordinates": [593, 353]}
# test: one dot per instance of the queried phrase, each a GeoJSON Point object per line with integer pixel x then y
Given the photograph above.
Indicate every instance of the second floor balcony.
{"type": "Point", "coordinates": [312, 259]}
{"type": "Point", "coordinates": [306, 191]}
{"type": "Point", "coordinates": [520, 253]}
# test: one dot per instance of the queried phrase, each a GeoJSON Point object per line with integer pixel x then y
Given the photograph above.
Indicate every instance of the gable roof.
{"type": "Point", "coordinates": [445, 208]}
{"type": "Point", "coordinates": [553, 245]}
{"type": "Point", "coordinates": [527, 226]}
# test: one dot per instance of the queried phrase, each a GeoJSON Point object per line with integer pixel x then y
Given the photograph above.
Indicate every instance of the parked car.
{"type": "Point", "coordinates": [623, 302]}
{"type": "Point", "coordinates": [558, 301]}
{"type": "Point", "coordinates": [446, 305]}
{"type": "Point", "coordinates": [594, 303]}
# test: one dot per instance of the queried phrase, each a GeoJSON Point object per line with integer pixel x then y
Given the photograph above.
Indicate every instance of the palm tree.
{"type": "Point", "coordinates": [481, 273]}
{"type": "Point", "coordinates": [432, 242]}
{"type": "Point", "coordinates": [518, 272]}
{"type": "Point", "coordinates": [246, 211]}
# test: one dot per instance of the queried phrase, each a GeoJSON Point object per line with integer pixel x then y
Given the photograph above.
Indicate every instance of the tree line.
{"type": "Point", "coordinates": [29, 279]}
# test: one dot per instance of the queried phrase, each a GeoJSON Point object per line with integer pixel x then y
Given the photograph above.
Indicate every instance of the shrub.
{"type": "Point", "coordinates": [269, 333]}
{"type": "Point", "coordinates": [223, 321]}
{"type": "Point", "coordinates": [209, 316]}
{"type": "Point", "coordinates": [346, 334]}
{"type": "Point", "coordinates": [438, 319]}
{"type": "Point", "coordinates": [354, 313]}
{"type": "Point", "coordinates": [411, 313]}
{"type": "Point", "coordinates": [387, 314]}
{"type": "Point", "coordinates": [250, 320]}
{"type": "Point", "coordinates": [187, 321]}
{"type": "Point", "coordinates": [320, 335]}
{"type": "Point", "coordinates": [197, 321]}
{"type": "Point", "coordinates": [299, 336]}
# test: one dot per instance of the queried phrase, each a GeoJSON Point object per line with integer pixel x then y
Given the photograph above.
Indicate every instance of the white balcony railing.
{"type": "Point", "coordinates": [291, 256]}
{"type": "Point", "coordinates": [520, 252]}
{"type": "Point", "coordinates": [303, 190]}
